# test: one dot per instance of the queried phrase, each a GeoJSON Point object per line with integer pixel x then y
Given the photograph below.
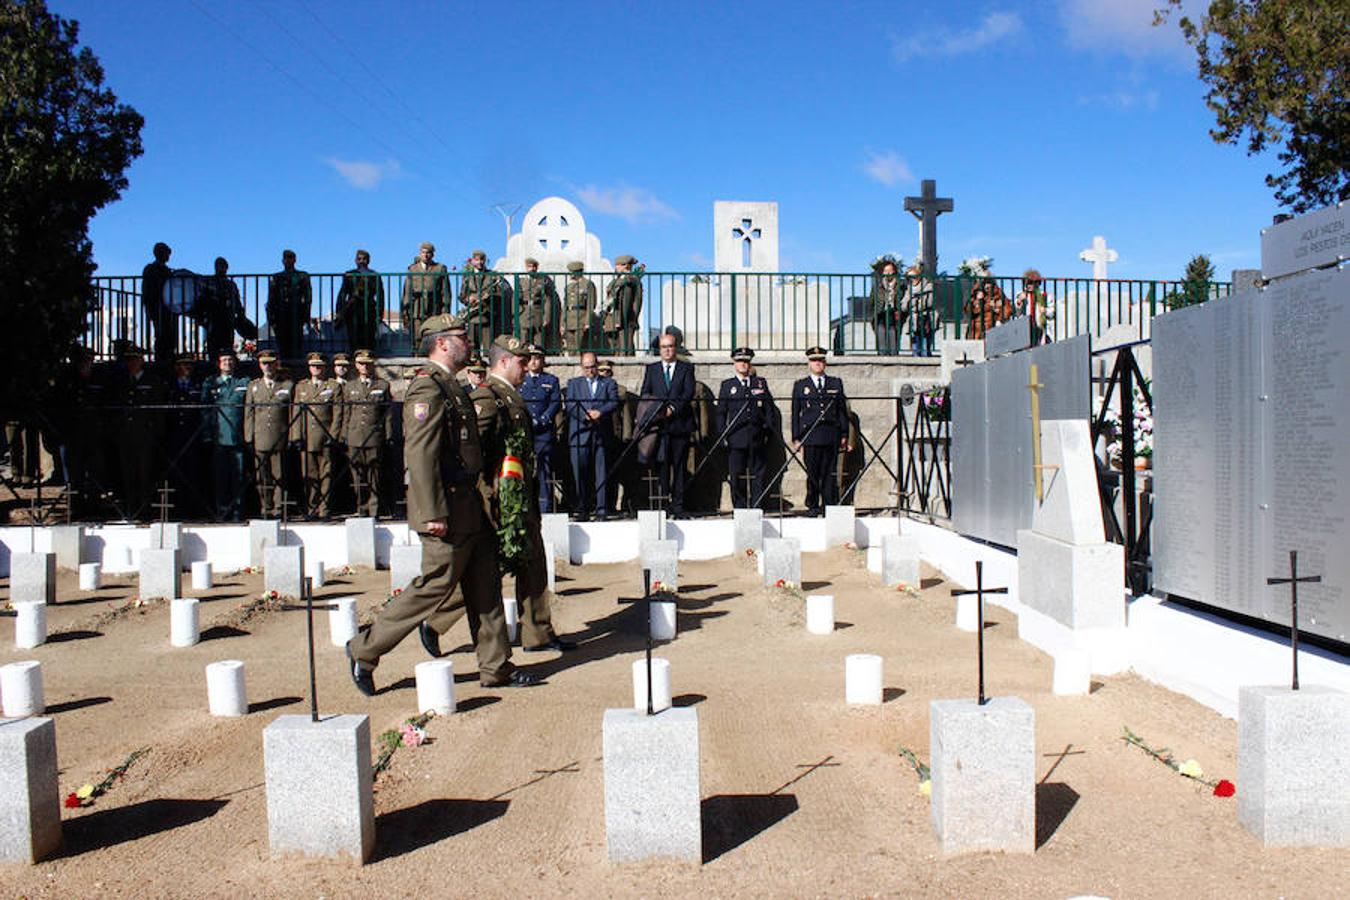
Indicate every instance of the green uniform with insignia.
{"type": "Point", "coordinates": [360, 306]}
{"type": "Point", "coordinates": [480, 299]}
{"type": "Point", "coordinates": [578, 309]}
{"type": "Point", "coordinates": [267, 424]}
{"type": "Point", "coordinates": [314, 427]}
{"type": "Point", "coordinates": [623, 309]}
{"type": "Point", "coordinates": [366, 427]}
{"type": "Point", "coordinates": [223, 397]}
{"type": "Point", "coordinates": [426, 293]}
{"type": "Point", "coordinates": [538, 297]}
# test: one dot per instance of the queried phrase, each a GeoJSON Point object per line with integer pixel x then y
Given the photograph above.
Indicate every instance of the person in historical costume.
{"type": "Point", "coordinates": [445, 508]}
{"type": "Point", "coordinates": [538, 299]}
{"type": "Point", "coordinates": [426, 289]}
{"type": "Point", "coordinates": [578, 312]}
{"type": "Point", "coordinates": [820, 424]}
{"type": "Point", "coordinates": [623, 306]}
{"type": "Point", "coordinates": [889, 304]}
{"type": "Point", "coordinates": [360, 303]}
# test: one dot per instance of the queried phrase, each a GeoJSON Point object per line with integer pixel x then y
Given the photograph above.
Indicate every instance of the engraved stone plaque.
{"type": "Point", "coordinates": [1008, 337]}
{"type": "Point", "coordinates": [1306, 242]}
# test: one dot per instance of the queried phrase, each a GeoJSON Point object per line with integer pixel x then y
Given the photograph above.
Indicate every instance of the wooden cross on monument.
{"type": "Point", "coordinates": [1037, 467]}
{"type": "Point", "coordinates": [979, 592]}
{"type": "Point", "coordinates": [926, 208]}
{"type": "Point", "coordinates": [1293, 581]}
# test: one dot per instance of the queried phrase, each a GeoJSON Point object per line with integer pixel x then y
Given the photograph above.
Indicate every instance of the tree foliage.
{"type": "Point", "coordinates": [1197, 284]}
{"type": "Point", "coordinates": [65, 144]}
{"type": "Point", "coordinates": [1278, 73]}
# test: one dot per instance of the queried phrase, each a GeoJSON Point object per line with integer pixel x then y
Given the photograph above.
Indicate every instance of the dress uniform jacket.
{"type": "Point", "coordinates": [366, 426]}
{"type": "Point", "coordinates": [538, 297]}
{"type": "Point", "coordinates": [426, 293]}
{"type": "Point", "coordinates": [315, 423]}
{"type": "Point", "coordinates": [826, 405]}
{"type": "Point", "coordinates": [542, 394]}
{"type": "Point", "coordinates": [442, 454]}
{"type": "Point", "coordinates": [743, 408]}
{"type": "Point", "coordinates": [289, 300]}
{"type": "Point", "coordinates": [267, 425]}
{"type": "Point", "coordinates": [578, 310]}
{"type": "Point", "coordinates": [623, 310]}
{"type": "Point", "coordinates": [480, 293]}
{"type": "Point", "coordinates": [223, 397]}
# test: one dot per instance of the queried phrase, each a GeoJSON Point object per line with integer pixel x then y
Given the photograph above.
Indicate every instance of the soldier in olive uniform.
{"type": "Point", "coordinates": [538, 297]}
{"type": "Point", "coordinates": [426, 289]}
{"type": "Point", "coordinates": [267, 423]}
{"type": "Point", "coordinates": [445, 507]}
{"type": "Point", "coordinates": [314, 428]}
{"type": "Point", "coordinates": [480, 300]}
{"type": "Point", "coordinates": [289, 300]}
{"type": "Point", "coordinates": [224, 395]}
{"type": "Point", "coordinates": [340, 498]}
{"type": "Point", "coordinates": [502, 416]}
{"type": "Point", "coordinates": [365, 413]}
{"type": "Point", "coordinates": [578, 309]}
{"type": "Point", "coordinates": [623, 306]}
{"type": "Point", "coordinates": [360, 303]}
{"type": "Point", "coordinates": [475, 373]}
{"type": "Point", "coordinates": [139, 431]}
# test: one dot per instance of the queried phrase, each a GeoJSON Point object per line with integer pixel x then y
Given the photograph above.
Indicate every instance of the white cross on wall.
{"type": "Point", "coordinates": [1099, 255]}
{"type": "Point", "coordinates": [747, 233]}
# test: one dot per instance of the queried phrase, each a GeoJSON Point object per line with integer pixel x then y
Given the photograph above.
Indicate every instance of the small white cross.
{"type": "Point", "coordinates": [1099, 255]}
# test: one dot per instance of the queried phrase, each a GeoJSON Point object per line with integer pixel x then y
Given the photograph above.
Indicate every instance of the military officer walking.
{"type": "Point", "coordinates": [623, 307]}
{"type": "Point", "coordinates": [267, 424]}
{"type": "Point", "coordinates": [820, 424]}
{"type": "Point", "coordinates": [360, 303]}
{"type": "Point", "coordinates": [426, 289]}
{"type": "Point", "coordinates": [578, 309]}
{"type": "Point", "coordinates": [314, 429]}
{"type": "Point", "coordinates": [365, 412]}
{"type": "Point", "coordinates": [445, 507]}
{"type": "Point", "coordinates": [223, 397]}
{"type": "Point", "coordinates": [538, 299]}
{"type": "Point", "coordinates": [542, 394]}
{"type": "Point", "coordinates": [744, 418]}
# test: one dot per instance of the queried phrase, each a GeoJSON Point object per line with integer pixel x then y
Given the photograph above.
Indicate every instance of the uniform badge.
{"type": "Point", "coordinates": [806, 390]}
{"type": "Point", "coordinates": [733, 391]}
{"type": "Point", "coordinates": [420, 411]}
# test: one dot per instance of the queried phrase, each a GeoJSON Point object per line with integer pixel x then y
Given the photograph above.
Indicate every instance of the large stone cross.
{"type": "Point", "coordinates": [747, 234]}
{"type": "Point", "coordinates": [926, 208]}
{"type": "Point", "coordinates": [1099, 255]}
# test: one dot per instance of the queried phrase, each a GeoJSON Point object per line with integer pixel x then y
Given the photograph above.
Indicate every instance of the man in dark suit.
{"type": "Point", "coordinates": [743, 417]}
{"type": "Point", "coordinates": [669, 383]}
{"type": "Point", "coordinates": [543, 397]}
{"type": "Point", "coordinates": [820, 424]}
{"type": "Point", "coordinates": [591, 402]}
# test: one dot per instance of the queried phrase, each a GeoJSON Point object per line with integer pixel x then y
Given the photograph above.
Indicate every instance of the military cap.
{"type": "Point", "coordinates": [576, 266]}
{"type": "Point", "coordinates": [815, 353]}
{"type": "Point", "coordinates": [427, 245]}
{"type": "Point", "coordinates": [132, 350]}
{"type": "Point", "coordinates": [476, 364]}
{"type": "Point", "coordinates": [511, 344]}
{"type": "Point", "coordinates": [478, 253]}
{"type": "Point", "coordinates": [625, 260]}
{"type": "Point", "coordinates": [365, 356]}
{"type": "Point", "coordinates": [531, 261]}
{"type": "Point", "coordinates": [342, 359]}
{"type": "Point", "coordinates": [226, 351]}
{"type": "Point", "coordinates": [536, 350]}
{"type": "Point", "coordinates": [316, 359]}
{"type": "Point", "coordinates": [742, 354]}
{"type": "Point", "coordinates": [185, 359]}
{"type": "Point", "coordinates": [605, 367]}
{"type": "Point", "coordinates": [440, 324]}
{"type": "Point", "coordinates": [267, 356]}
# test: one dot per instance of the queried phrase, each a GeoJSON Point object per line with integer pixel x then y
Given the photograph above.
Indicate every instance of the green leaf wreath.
{"type": "Point", "coordinates": [513, 504]}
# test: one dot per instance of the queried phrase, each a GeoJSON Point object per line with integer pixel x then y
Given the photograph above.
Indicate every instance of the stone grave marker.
{"type": "Point", "coordinates": [68, 544]}
{"type": "Point", "coordinates": [262, 533]}
{"type": "Point", "coordinates": [32, 578]}
{"type": "Point", "coordinates": [900, 560]}
{"type": "Point", "coordinates": [782, 560]}
{"type": "Point", "coordinates": [30, 798]}
{"type": "Point", "coordinates": [556, 530]}
{"type": "Point", "coordinates": [651, 766]}
{"type": "Point", "coordinates": [405, 564]}
{"type": "Point", "coordinates": [983, 775]}
{"type": "Point", "coordinates": [160, 574]}
{"type": "Point", "coordinates": [663, 561]}
{"type": "Point", "coordinates": [361, 541]}
{"type": "Point", "coordinates": [840, 524]}
{"type": "Point", "coordinates": [749, 530]}
{"type": "Point", "coordinates": [319, 786]}
{"type": "Point", "coordinates": [284, 570]}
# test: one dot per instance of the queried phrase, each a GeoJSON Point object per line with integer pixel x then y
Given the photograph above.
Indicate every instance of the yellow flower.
{"type": "Point", "coordinates": [85, 792]}
{"type": "Point", "coordinates": [926, 787]}
{"type": "Point", "coordinates": [1191, 769]}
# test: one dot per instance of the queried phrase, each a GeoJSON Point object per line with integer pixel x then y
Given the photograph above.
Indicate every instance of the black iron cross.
{"type": "Point", "coordinates": [749, 479]}
{"type": "Point", "coordinates": [809, 767]}
{"type": "Point", "coordinates": [979, 592]}
{"type": "Point", "coordinates": [555, 495]}
{"type": "Point", "coordinates": [307, 585]}
{"type": "Point", "coordinates": [1293, 581]}
{"type": "Point", "coordinates": [286, 504]}
{"type": "Point", "coordinates": [647, 595]}
{"type": "Point", "coordinates": [71, 494]}
{"type": "Point", "coordinates": [164, 504]}
{"type": "Point", "coordinates": [32, 524]}
{"type": "Point", "coordinates": [964, 361]}
{"type": "Point", "coordinates": [654, 493]}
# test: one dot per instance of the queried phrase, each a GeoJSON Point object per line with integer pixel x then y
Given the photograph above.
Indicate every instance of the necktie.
{"type": "Point", "coordinates": [819, 386]}
{"type": "Point", "coordinates": [667, 376]}
{"type": "Point", "coordinates": [591, 382]}
{"type": "Point", "coordinates": [745, 384]}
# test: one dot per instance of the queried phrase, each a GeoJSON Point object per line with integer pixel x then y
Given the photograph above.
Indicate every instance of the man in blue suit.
{"type": "Point", "coordinates": [667, 395]}
{"type": "Point", "coordinates": [591, 402]}
{"type": "Point", "coordinates": [542, 394]}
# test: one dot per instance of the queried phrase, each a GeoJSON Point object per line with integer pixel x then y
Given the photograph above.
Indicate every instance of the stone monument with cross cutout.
{"type": "Point", "coordinates": [553, 231]}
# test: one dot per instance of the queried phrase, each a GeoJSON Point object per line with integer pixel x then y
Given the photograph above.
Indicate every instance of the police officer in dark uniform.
{"type": "Point", "coordinates": [542, 394]}
{"type": "Point", "coordinates": [223, 396]}
{"type": "Point", "coordinates": [743, 416]}
{"type": "Point", "coordinates": [820, 424]}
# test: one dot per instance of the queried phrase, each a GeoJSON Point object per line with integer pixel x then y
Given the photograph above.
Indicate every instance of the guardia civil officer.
{"type": "Point", "coordinates": [223, 396]}
{"type": "Point", "coordinates": [542, 393]}
{"type": "Point", "coordinates": [744, 417]}
{"type": "Point", "coordinates": [820, 424]}
{"type": "Point", "coordinates": [445, 507]}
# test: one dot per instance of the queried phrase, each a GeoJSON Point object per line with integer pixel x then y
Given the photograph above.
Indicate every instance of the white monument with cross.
{"type": "Point", "coordinates": [553, 231]}
{"type": "Point", "coordinates": [1099, 255]}
{"type": "Point", "coordinates": [769, 311]}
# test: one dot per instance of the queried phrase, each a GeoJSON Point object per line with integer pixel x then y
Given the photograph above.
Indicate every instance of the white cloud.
{"type": "Point", "coordinates": [634, 205]}
{"type": "Point", "coordinates": [1121, 26]}
{"type": "Point", "coordinates": [1122, 100]}
{"type": "Point", "coordinates": [363, 174]}
{"type": "Point", "coordinates": [887, 168]}
{"type": "Point", "coordinates": [994, 27]}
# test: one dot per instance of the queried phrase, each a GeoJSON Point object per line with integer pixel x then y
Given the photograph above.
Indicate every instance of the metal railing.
{"type": "Point", "coordinates": [719, 311]}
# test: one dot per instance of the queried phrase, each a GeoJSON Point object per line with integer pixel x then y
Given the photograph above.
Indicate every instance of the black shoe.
{"type": "Point", "coordinates": [582, 517]}
{"type": "Point", "coordinates": [515, 679]}
{"type": "Point", "coordinates": [431, 641]}
{"type": "Point", "coordinates": [362, 678]}
{"type": "Point", "coordinates": [602, 517]}
{"type": "Point", "coordinates": [556, 644]}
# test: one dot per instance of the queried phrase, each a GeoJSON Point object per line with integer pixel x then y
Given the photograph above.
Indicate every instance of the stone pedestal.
{"type": "Point", "coordinates": [782, 560]}
{"type": "Point", "coordinates": [1077, 585]}
{"type": "Point", "coordinates": [203, 577]}
{"type": "Point", "coordinates": [435, 686]}
{"type": "Point", "coordinates": [91, 576]}
{"type": "Point", "coordinates": [30, 625]}
{"type": "Point", "coordinates": [1293, 753]}
{"type": "Point", "coordinates": [662, 558]}
{"type": "Point", "coordinates": [749, 530]}
{"type": "Point", "coordinates": [262, 533]}
{"type": "Point", "coordinates": [314, 570]}
{"type": "Point", "coordinates": [361, 542]}
{"type": "Point", "coordinates": [30, 797]}
{"type": "Point", "coordinates": [342, 621]}
{"type": "Point", "coordinates": [900, 560]}
{"type": "Point", "coordinates": [556, 530]}
{"type": "Point", "coordinates": [32, 578]}
{"type": "Point", "coordinates": [161, 577]}
{"type": "Point", "coordinates": [284, 570]}
{"type": "Point", "coordinates": [984, 775]}
{"type": "Point", "coordinates": [864, 675]}
{"type": "Point", "coordinates": [21, 689]}
{"type": "Point", "coordinates": [184, 622]}
{"type": "Point", "coordinates": [226, 691]}
{"type": "Point", "coordinates": [68, 545]}
{"type": "Point", "coordinates": [840, 525]}
{"type": "Point", "coordinates": [651, 528]}
{"type": "Point", "coordinates": [652, 785]}
{"type": "Point", "coordinates": [319, 798]}
{"type": "Point", "coordinates": [405, 564]}
{"type": "Point", "coordinates": [820, 614]}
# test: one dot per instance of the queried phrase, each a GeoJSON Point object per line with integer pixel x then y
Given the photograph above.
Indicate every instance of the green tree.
{"type": "Point", "coordinates": [1196, 283]}
{"type": "Point", "coordinates": [1278, 73]}
{"type": "Point", "coordinates": [65, 144]}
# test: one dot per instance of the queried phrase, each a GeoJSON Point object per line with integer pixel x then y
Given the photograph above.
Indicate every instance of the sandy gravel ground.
{"type": "Point", "coordinates": [507, 799]}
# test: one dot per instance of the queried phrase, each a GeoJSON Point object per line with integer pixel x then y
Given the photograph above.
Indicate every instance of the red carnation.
{"type": "Point", "coordinates": [72, 802]}
{"type": "Point", "coordinates": [778, 583]}
{"type": "Point", "coordinates": [1225, 788]}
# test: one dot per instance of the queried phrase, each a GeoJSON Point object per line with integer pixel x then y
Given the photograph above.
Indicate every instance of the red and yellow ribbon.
{"type": "Point", "coordinates": [512, 467]}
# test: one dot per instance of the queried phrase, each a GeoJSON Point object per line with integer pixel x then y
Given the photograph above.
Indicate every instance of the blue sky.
{"type": "Point", "coordinates": [325, 125]}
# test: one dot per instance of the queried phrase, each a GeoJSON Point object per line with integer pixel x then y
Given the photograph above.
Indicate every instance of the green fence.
{"type": "Point", "coordinates": [717, 312]}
